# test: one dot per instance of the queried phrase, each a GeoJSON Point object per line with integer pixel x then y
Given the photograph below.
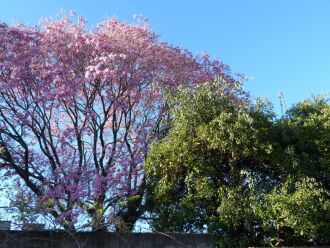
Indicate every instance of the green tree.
{"type": "Point", "coordinates": [228, 167]}
{"type": "Point", "coordinates": [297, 212]}
{"type": "Point", "coordinates": [199, 175]}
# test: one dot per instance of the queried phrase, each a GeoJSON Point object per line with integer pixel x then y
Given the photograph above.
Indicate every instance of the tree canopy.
{"type": "Point", "coordinates": [79, 108]}
{"type": "Point", "coordinates": [229, 167]}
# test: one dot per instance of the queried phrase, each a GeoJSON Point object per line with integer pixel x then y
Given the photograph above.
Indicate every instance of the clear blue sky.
{"type": "Point", "coordinates": [283, 44]}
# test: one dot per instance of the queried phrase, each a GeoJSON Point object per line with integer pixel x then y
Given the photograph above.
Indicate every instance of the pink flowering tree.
{"type": "Point", "coordinates": [79, 108]}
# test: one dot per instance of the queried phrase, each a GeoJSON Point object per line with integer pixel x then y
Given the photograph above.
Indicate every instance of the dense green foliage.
{"type": "Point", "coordinates": [229, 167]}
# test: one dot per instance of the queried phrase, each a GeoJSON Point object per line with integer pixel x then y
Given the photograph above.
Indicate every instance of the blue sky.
{"type": "Point", "coordinates": [283, 44]}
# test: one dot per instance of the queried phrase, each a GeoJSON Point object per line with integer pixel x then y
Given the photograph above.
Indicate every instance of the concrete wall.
{"type": "Point", "coordinates": [49, 239]}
